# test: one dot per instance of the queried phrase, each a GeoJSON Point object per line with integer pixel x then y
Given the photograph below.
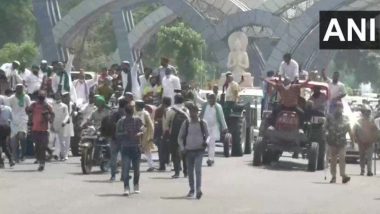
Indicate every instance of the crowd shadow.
{"type": "Point", "coordinates": [285, 165]}
{"type": "Point", "coordinates": [22, 170]}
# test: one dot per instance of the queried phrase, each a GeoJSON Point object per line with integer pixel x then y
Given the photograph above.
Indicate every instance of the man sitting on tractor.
{"type": "Point", "coordinates": [289, 96]}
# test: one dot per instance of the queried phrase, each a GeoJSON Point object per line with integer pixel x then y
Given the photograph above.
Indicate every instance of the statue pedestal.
{"type": "Point", "coordinates": [247, 83]}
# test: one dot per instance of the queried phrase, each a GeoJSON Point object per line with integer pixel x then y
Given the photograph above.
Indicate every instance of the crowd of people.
{"type": "Point", "coordinates": [137, 113]}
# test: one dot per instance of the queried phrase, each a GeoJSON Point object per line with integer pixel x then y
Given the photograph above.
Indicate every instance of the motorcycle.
{"type": "Point", "coordinates": [95, 151]}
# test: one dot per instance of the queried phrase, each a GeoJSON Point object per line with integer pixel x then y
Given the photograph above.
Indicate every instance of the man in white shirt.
{"type": "Point", "coordinates": [130, 77]}
{"type": "Point", "coordinates": [61, 81]}
{"type": "Point", "coordinates": [212, 113]}
{"type": "Point", "coordinates": [336, 89]}
{"type": "Point", "coordinates": [12, 73]}
{"type": "Point", "coordinates": [231, 88]}
{"type": "Point", "coordinates": [170, 83]}
{"type": "Point", "coordinates": [160, 71]}
{"type": "Point", "coordinates": [82, 88]}
{"type": "Point", "coordinates": [33, 82]}
{"type": "Point", "coordinates": [289, 68]}
{"type": "Point", "coordinates": [58, 127]}
{"type": "Point", "coordinates": [18, 102]}
{"type": "Point", "coordinates": [145, 79]}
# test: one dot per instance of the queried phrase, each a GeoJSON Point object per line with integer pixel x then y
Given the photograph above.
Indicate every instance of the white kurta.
{"type": "Point", "coordinates": [169, 84]}
{"type": "Point", "coordinates": [290, 71]}
{"type": "Point", "coordinates": [20, 118]}
{"type": "Point", "coordinates": [136, 89]}
{"type": "Point", "coordinates": [33, 82]}
{"type": "Point", "coordinates": [83, 90]}
{"type": "Point", "coordinates": [212, 122]}
{"type": "Point", "coordinates": [61, 115]}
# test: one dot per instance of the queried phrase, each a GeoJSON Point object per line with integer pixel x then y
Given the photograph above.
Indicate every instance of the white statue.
{"type": "Point", "coordinates": [238, 61]}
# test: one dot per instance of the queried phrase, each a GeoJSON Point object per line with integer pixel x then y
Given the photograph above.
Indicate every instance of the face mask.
{"type": "Point", "coordinates": [41, 98]}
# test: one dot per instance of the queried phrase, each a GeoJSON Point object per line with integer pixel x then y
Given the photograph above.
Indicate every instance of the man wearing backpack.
{"type": "Point", "coordinates": [175, 116]}
{"type": "Point", "coordinates": [192, 139]}
{"type": "Point", "coordinates": [212, 113]}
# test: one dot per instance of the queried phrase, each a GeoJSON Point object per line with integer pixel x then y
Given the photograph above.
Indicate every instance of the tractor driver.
{"type": "Point", "coordinates": [289, 97]}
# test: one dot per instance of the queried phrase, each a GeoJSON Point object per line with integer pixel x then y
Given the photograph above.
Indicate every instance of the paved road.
{"type": "Point", "coordinates": [233, 185]}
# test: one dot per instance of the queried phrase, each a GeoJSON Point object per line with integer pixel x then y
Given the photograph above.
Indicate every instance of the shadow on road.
{"type": "Point", "coordinates": [92, 173]}
{"type": "Point", "coordinates": [286, 166]}
{"type": "Point", "coordinates": [177, 198]}
{"type": "Point", "coordinates": [376, 199]}
{"type": "Point", "coordinates": [325, 182]}
{"type": "Point", "coordinates": [111, 195]}
{"type": "Point", "coordinates": [98, 181]}
{"type": "Point", "coordinates": [161, 178]}
{"type": "Point", "coordinates": [23, 170]}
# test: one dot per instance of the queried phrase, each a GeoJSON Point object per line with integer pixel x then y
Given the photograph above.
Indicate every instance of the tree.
{"type": "Point", "coordinates": [185, 46]}
{"type": "Point", "coordinates": [25, 52]}
{"type": "Point", "coordinates": [357, 66]}
{"type": "Point", "coordinates": [17, 21]}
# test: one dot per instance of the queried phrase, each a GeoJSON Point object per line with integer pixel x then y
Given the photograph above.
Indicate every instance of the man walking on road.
{"type": "Point", "coordinates": [129, 130]}
{"type": "Point", "coordinates": [18, 102]}
{"type": "Point", "coordinates": [212, 113]}
{"type": "Point", "coordinates": [61, 119]}
{"type": "Point", "coordinates": [5, 133]}
{"type": "Point", "coordinates": [147, 138]}
{"type": "Point", "coordinates": [115, 145]}
{"type": "Point", "coordinates": [337, 127]}
{"type": "Point", "coordinates": [175, 116]}
{"type": "Point", "coordinates": [159, 138]}
{"type": "Point", "coordinates": [365, 134]}
{"type": "Point", "coordinates": [41, 115]}
{"type": "Point", "coordinates": [192, 139]}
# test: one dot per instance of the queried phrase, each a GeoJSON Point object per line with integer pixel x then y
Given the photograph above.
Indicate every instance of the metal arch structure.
{"type": "Point", "coordinates": [65, 30]}
{"type": "Point", "coordinates": [149, 26]}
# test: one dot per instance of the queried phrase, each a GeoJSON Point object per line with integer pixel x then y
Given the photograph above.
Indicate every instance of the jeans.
{"type": "Point", "coordinates": [194, 162]}
{"type": "Point", "coordinates": [131, 154]}
{"type": "Point", "coordinates": [115, 149]}
{"type": "Point", "coordinates": [41, 139]}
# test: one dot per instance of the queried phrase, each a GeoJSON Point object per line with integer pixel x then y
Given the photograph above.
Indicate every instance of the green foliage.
{"type": "Point", "coordinates": [17, 21]}
{"type": "Point", "coordinates": [185, 46]}
{"type": "Point", "coordinates": [25, 52]}
{"type": "Point", "coordinates": [357, 66]}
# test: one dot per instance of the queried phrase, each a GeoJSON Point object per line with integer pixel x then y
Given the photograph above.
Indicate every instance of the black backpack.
{"type": "Point", "coordinates": [176, 124]}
